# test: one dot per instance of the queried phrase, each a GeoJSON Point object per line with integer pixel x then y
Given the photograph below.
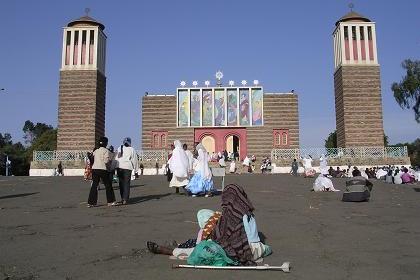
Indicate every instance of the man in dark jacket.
{"type": "Point", "coordinates": [357, 188]}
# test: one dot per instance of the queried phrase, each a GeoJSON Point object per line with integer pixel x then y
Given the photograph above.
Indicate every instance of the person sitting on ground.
{"type": "Point", "coordinates": [339, 173]}
{"type": "Point", "coordinates": [207, 220]}
{"type": "Point", "coordinates": [388, 177]}
{"type": "Point", "coordinates": [406, 177]}
{"type": "Point", "coordinates": [397, 176]}
{"type": "Point", "coordinates": [201, 183]}
{"type": "Point", "coordinates": [236, 231]}
{"type": "Point", "coordinates": [266, 163]}
{"type": "Point", "coordinates": [331, 172]}
{"type": "Point", "coordinates": [381, 174]}
{"type": "Point", "coordinates": [323, 184]}
{"type": "Point", "coordinates": [247, 163]}
{"type": "Point", "coordinates": [357, 188]}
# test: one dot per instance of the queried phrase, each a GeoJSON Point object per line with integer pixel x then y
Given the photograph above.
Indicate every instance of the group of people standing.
{"type": "Point", "coordinates": [103, 163]}
{"type": "Point", "coordinates": [189, 171]}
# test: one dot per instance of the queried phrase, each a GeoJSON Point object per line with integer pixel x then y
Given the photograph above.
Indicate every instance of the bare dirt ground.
{"type": "Point", "coordinates": [47, 232]}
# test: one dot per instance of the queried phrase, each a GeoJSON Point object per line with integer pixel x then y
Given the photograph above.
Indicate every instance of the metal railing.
{"type": "Point", "coordinates": [143, 155]}
{"type": "Point", "coordinates": [355, 152]}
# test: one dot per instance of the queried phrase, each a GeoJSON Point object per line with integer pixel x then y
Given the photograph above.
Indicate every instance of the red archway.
{"type": "Point", "coordinates": [220, 136]}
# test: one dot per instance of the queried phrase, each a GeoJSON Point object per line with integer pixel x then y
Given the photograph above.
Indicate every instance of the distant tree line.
{"type": "Point", "coordinates": [37, 137]}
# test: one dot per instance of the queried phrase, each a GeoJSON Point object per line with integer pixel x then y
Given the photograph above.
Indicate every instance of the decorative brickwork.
{"type": "Point", "coordinates": [81, 109]}
{"type": "Point", "coordinates": [358, 106]}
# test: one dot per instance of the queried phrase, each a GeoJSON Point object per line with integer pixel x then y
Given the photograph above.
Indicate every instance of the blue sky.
{"type": "Point", "coordinates": [153, 45]}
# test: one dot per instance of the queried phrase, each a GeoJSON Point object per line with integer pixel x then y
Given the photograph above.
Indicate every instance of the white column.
{"type": "Point", "coordinates": [238, 109]}
{"type": "Point", "coordinates": [63, 55]}
{"type": "Point", "coordinates": [95, 48]}
{"type": "Point", "coordinates": [212, 110]}
{"type": "Point", "coordinates": [335, 50]}
{"type": "Point", "coordinates": [365, 33]}
{"type": "Point", "coordinates": [375, 51]}
{"type": "Point", "coordinates": [343, 45]}
{"type": "Point", "coordinates": [358, 43]}
{"type": "Point", "coordinates": [226, 112]}
{"type": "Point", "coordinates": [87, 54]}
{"type": "Point", "coordinates": [71, 47]}
{"type": "Point", "coordinates": [79, 48]}
{"type": "Point", "coordinates": [350, 32]}
{"type": "Point", "coordinates": [189, 107]}
{"type": "Point", "coordinates": [201, 107]}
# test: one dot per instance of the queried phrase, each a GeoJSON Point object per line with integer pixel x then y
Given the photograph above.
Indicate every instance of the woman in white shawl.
{"type": "Point", "coordinates": [201, 183]}
{"type": "Point", "coordinates": [323, 168]}
{"type": "Point", "coordinates": [178, 164]}
{"type": "Point", "coordinates": [307, 165]}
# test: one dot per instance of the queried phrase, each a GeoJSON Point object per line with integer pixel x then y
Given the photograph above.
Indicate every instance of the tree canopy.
{"type": "Point", "coordinates": [407, 91]}
{"type": "Point", "coordinates": [37, 137]}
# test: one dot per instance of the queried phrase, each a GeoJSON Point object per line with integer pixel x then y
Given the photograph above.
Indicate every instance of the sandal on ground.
{"type": "Point", "coordinates": [113, 203]}
{"type": "Point", "coordinates": [91, 205]}
{"type": "Point", "coordinates": [152, 247]}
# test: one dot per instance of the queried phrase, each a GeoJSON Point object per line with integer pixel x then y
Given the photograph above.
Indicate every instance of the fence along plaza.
{"type": "Point", "coordinates": [276, 154]}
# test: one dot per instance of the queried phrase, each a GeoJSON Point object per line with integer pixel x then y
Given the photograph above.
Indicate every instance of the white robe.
{"type": "Point", "coordinates": [179, 164]}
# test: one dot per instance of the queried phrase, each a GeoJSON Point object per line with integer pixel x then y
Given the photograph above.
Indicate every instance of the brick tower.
{"type": "Point", "coordinates": [358, 104]}
{"type": "Point", "coordinates": [81, 107]}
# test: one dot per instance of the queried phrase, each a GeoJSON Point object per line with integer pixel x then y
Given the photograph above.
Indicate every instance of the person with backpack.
{"type": "Point", "coordinates": [127, 161]}
{"type": "Point", "coordinates": [101, 160]}
{"type": "Point", "coordinates": [358, 188]}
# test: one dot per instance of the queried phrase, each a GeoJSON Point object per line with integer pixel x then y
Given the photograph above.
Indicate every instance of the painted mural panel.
{"type": "Point", "coordinates": [257, 106]}
{"type": "Point", "coordinates": [232, 96]}
{"type": "Point", "coordinates": [183, 107]}
{"type": "Point", "coordinates": [244, 107]}
{"type": "Point", "coordinates": [207, 107]}
{"type": "Point", "coordinates": [219, 108]}
{"type": "Point", "coordinates": [195, 108]}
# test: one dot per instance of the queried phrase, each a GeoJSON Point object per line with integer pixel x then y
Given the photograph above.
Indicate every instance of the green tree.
{"type": "Point", "coordinates": [413, 150]}
{"type": "Point", "coordinates": [331, 141]}
{"type": "Point", "coordinates": [32, 132]}
{"type": "Point", "coordinates": [47, 141]}
{"type": "Point", "coordinates": [407, 91]}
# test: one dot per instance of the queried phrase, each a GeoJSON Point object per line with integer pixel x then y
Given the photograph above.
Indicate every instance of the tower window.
{"type": "Point", "coordinates": [159, 139]}
{"type": "Point", "coordinates": [91, 43]}
{"type": "Point", "coordinates": [83, 47]}
{"type": "Point", "coordinates": [362, 33]}
{"type": "Point", "coordinates": [76, 47]}
{"type": "Point", "coordinates": [353, 32]}
{"type": "Point", "coordinates": [346, 32]}
{"type": "Point", "coordinates": [280, 138]}
{"type": "Point", "coordinates": [369, 33]}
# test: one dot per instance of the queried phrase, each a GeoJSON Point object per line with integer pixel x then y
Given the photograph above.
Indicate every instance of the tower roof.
{"type": "Point", "coordinates": [86, 21]}
{"type": "Point", "coordinates": [353, 16]}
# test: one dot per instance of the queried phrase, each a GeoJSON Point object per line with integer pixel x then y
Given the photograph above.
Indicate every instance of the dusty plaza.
{"type": "Point", "coordinates": [47, 232]}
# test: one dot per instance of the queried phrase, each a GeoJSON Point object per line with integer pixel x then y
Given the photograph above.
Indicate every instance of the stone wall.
{"type": "Point", "coordinates": [81, 109]}
{"type": "Point", "coordinates": [280, 112]}
{"type": "Point", "coordinates": [358, 106]}
{"type": "Point", "coordinates": [159, 114]}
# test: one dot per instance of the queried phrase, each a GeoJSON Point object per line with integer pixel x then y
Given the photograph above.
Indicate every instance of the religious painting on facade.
{"type": "Point", "coordinates": [207, 107]}
{"type": "Point", "coordinates": [195, 108]}
{"type": "Point", "coordinates": [244, 107]}
{"type": "Point", "coordinates": [232, 109]}
{"type": "Point", "coordinates": [219, 107]}
{"type": "Point", "coordinates": [183, 107]}
{"type": "Point", "coordinates": [257, 106]}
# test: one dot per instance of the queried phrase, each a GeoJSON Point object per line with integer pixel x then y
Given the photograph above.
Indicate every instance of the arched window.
{"type": "Point", "coordinates": [163, 140]}
{"type": "Point", "coordinates": [156, 140]}
{"type": "Point", "coordinates": [284, 139]}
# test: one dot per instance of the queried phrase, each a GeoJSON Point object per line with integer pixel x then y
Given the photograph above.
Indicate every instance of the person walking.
{"type": "Point", "coordinates": [295, 167]}
{"type": "Point", "coordinates": [178, 164]}
{"type": "Point", "coordinates": [127, 161]}
{"type": "Point", "coordinates": [101, 160]}
{"type": "Point", "coordinates": [60, 169]}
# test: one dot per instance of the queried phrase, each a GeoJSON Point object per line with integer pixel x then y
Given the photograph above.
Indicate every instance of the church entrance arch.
{"type": "Point", "coordinates": [233, 144]}
{"type": "Point", "coordinates": [209, 143]}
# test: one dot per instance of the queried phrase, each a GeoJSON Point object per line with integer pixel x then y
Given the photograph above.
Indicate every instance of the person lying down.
{"type": "Point", "coordinates": [234, 229]}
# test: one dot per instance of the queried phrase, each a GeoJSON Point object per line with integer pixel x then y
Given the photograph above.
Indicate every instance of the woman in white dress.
{"type": "Point", "coordinates": [201, 183]}
{"type": "Point", "coordinates": [178, 164]}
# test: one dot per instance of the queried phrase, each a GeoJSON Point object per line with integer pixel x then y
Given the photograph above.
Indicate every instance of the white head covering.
{"type": "Point", "coordinates": [179, 161]}
{"type": "Point", "coordinates": [203, 163]}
